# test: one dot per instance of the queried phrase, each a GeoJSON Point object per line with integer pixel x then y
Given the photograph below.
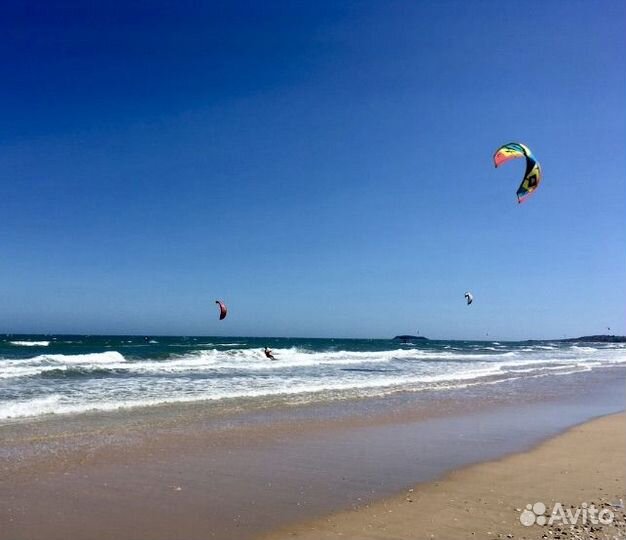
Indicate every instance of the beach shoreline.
{"type": "Point", "coordinates": [194, 471]}
{"type": "Point", "coordinates": [532, 494]}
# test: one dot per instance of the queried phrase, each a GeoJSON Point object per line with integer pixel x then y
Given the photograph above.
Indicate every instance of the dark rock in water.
{"type": "Point", "coordinates": [411, 338]}
{"type": "Point", "coordinates": [595, 339]}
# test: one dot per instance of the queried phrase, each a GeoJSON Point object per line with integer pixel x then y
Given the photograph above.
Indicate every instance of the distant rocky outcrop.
{"type": "Point", "coordinates": [411, 338]}
{"type": "Point", "coordinates": [602, 338]}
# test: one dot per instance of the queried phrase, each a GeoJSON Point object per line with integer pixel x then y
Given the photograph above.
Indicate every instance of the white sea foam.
{"type": "Point", "coordinates": [59, 404]}
{"type": "Point", "coordinates": [30, 343]}
{"type": "Point", "coordinates": [254, 360]}
{"type": "Point", "coordinates": [108, 380]}
{"type": "Point", "coordinates": [33, 407]}
{"type": "Point", "coordinates": [27, 367]}
{"type": "Point", "coordinates": [584, 349]}
{"type": "Point", "coordinates": [108, 357]}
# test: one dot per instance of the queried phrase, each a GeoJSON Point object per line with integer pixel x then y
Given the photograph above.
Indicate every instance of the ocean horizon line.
{"type": "Point", "coordinates": [143, 335]}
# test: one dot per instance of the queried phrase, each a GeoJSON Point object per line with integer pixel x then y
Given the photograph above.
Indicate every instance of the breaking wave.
{"type": "Point", "coordinates": [30, 343]}
{"type": "Point", "coordinates": [77, 379]}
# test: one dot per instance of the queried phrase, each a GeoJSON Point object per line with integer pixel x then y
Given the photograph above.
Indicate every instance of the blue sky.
{"type": "Point", "coordinates": [323, 167]}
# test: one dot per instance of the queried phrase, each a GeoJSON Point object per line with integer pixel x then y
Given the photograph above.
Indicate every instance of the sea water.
{"type": "Point", "coordinates": [42, 375]}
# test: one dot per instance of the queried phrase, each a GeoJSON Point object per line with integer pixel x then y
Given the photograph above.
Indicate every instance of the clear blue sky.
{"type": "Point", "coordinates": [323, 167]}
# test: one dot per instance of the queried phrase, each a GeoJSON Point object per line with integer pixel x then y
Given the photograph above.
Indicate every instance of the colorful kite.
{"type": "Point", "coordinates": [223, 309]}
{"type": "Point", "coordinates": [532, 176]}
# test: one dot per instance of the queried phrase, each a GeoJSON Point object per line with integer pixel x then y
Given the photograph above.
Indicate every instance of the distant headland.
{"type": "Point", "coordinates": [407, 337]}
{"type": "Point", "coordinates": [601, 338]}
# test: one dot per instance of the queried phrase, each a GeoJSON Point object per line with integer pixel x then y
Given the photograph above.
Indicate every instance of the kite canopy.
{"type": "Point", "coordinates": [223, 309]}
{"type": "Point", "coordinates": [532, 176]}
{"type": "Point", "coordinates": [469, 297]}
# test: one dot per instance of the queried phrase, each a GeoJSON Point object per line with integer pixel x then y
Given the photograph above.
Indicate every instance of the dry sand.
{"type": "Point", "coordinates": [585, 464]}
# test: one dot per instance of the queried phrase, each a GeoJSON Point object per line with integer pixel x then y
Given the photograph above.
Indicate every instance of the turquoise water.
{"type": "Point", "coordinates": [68, 374]}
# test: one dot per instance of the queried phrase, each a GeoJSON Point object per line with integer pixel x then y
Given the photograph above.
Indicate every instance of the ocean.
{"type": "Point", "coordinates": [42, 375]}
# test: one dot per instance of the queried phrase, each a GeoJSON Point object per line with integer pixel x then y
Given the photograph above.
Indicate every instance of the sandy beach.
{"type": "Point", "coordinates": [242, 471]}
{"type": "Point", "coordinates": [586, 465]}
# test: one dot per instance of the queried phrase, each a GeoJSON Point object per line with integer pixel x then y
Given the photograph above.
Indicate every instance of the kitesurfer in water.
{"type": "Point", "coordinates": [268, 353]}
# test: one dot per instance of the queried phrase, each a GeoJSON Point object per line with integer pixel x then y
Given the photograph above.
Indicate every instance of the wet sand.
{"type": "Point", "coordinates": [587, 465]}
{"type": "Point", "coordinates": [242, 470]}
